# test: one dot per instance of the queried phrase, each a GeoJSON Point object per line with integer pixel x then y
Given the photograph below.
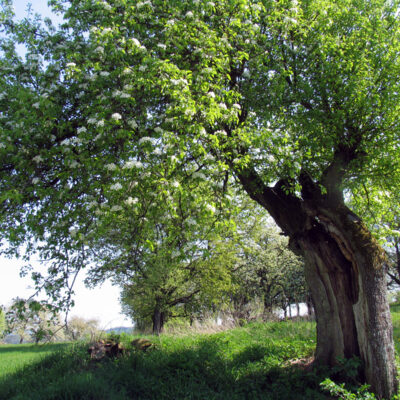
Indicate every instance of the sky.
{"type": "Point", "coordinates": [102, 302]}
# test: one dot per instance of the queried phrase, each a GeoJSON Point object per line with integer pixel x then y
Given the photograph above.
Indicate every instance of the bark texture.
{"type": "Point", "coordinates": [159, 319]}
{"type": "Point", "coordinates": [345, 269]}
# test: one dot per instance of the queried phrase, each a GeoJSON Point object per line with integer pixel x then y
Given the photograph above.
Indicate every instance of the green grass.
{"type": "Point", "coordinates": [253, 362]}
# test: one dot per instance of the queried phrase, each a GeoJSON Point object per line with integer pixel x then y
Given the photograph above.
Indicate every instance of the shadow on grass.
{"type": "Point", "coordinates": [31, 348]}
{"type": "Point", "coordinates": [204, 370]}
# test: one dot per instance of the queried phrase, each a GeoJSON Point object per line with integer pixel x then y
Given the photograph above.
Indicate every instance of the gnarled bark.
{"type": "Point", "coordinates": [345, 269]}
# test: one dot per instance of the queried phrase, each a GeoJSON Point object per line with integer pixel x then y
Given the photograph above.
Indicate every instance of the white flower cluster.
{"type": "Point", "coordinates": [116, 116]}
{"type": "Point", "coordinates": [210, 208]}
{"type": "Point", "coordinates": [106, 6]}
{"type": "Point", "coordinates": [131, 201]}
{"type": "Point", "coordinates": [35, 181]}
{"type": "Point", "coordinates": [179, 81]}
{"type": "Point", "coordinates": [132, 164]}
{"type": "Point", "coordinates": [116, 186]}
{"type": "Point", "coordinates": [92, 204]}
{"type": "Point", "coordinates": [111, 167]}
{"type": "Point", "coordinates": [191, 221]}
{"type": "Point", "coordinates": [198, 175]}
{"type": "Point", "coordinates": [73, 232]}
{"type": "Point", "coordinates": [145, 139]}
{"type": "Point", "coordinates": [135, 42]}
{"type": "Point", "coordinates": [133, 124]}
{"type": "Point", "coordinates": [144, 3]}
{"type": "Point", "coordinates": [162, 46]}
{"type": "Point", "coordinates": [74, 164]}
{"type": "Point", "coordinates": [38, 159]}
{"type": "Point", "coordinates": [116, 208]}
{"type": "Point", "coordinates": [82, 129]}
{"type": "Point", "coordinates": [120, 94]}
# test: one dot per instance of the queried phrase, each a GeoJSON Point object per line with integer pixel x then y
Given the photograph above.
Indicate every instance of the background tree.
{"type": "Point", "coordinates": [79, 328]}
{"type": "Point", "coordinates": [266, 270]}
{"type": "Point", "coordinates": [299, 100]}
{"type": "Point", "coordinates": [32, 320]}
{"type": "Point", "coordinates": [3, 324]}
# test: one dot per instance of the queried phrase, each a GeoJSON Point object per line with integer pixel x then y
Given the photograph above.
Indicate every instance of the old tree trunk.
{"type": "Point", "coordinates": [345, 270]}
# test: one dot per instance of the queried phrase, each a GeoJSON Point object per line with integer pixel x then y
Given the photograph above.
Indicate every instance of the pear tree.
{"type": "Point", "coordinates": [298, 100]}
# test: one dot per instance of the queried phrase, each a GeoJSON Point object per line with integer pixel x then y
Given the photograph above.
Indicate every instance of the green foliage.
{"type": "Point", "coordinates": [108, 117]}
{"type": "Point", "coordinates": [33, 320]}
{"type": "Point", "coordinates": [265, 270]}
{"type": "Point", "coordinates": [3, 323]}
{"type": "Point", "coordinates": [340, 392]}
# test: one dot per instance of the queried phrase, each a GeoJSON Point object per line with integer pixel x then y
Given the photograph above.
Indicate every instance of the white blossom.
{"type": "Point", "coordinates": [223, 106]}
{"type": "Point", "coordinates": [116, 186]}
{"type": "Point", "coordinates": [111, 167]}
{"type": "Point", "coordinates": [175, 253]}
{"type": "Point", "coordinates": [116, 208]}
{"type": "Point", "coordinates": [131, 201]}
{"type": "Point", "coordinates": [132, 164]}
{"type": "Point", "coordinates": [175, 184]}
{"type": "Point", "coordinates": [211, 95]}
{"type": "Point", "coordinates": [210, 208]}
{"type": "Point", "coordinates": [145, 139]}
{"type": "Point", "coordinates": [74, 164]}
{"type": "Point", "coordinates": [71, 64]}
{"type": "Point", "coordinates": [133, 124]}
{"type": "Point", "coordinates": [189, 14]}
{"type": "Point", "coordinates": [170, 22]}
{"type": "Point", "coordinates": [116, 116]}
{"type": "Point", "coordinates": [35, 181]}
{"type": "Point", "coordinates": [37, 159]}
{"type": "Point", "coordinates": [157, 151]}
{"type": "Point", "coordinates": [237, 106]}
{"type": "Point", "coordinates": [158, 129]}
{"type": "Point", "coordinates": [82, 129]}
{"type": "Point", "coordinates": [99, 49]}
{"type": "Point", "coordinates": [142, 68]}
{"type": "Point", "coordinates": [36, 105]}
{"type": "Point", "coordinates": [104, 73]}
{"type": "Point", "coordinates": [100, 123]}
{"type": "Point", "coordinates": [73, 232]}
{"type": "Point", "coordinates": [92, 121]}
{"type": "Point", "coordinates": [135, 42]}
{"type": "Point", "coordinates": [198, 175]}
{"type": "Point", "coordinates": [92, 204]}
{"type": "Point", "coordinates": [161, 46]}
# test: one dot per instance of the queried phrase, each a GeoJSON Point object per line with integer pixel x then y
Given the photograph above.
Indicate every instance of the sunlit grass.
{"type": "Point", "coordinates": [252, 362]}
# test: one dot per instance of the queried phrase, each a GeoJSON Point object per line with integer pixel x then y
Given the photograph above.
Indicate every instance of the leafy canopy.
{"type": "Point", "coordinates": [128, 98]}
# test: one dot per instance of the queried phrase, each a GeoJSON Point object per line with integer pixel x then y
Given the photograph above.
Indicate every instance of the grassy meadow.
{"type": "Point", "coordinates": [252, 362]}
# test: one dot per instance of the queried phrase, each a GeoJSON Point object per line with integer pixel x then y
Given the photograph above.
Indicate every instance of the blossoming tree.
{"type": "Point", "coordinates": [297, 99]}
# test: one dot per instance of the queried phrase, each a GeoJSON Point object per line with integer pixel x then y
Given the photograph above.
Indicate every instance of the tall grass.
{"type": "Point", "coordinates": [252, 362]}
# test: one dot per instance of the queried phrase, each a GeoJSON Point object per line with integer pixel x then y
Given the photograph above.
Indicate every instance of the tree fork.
{"type": "Point", "coordinates": [345, 269]}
